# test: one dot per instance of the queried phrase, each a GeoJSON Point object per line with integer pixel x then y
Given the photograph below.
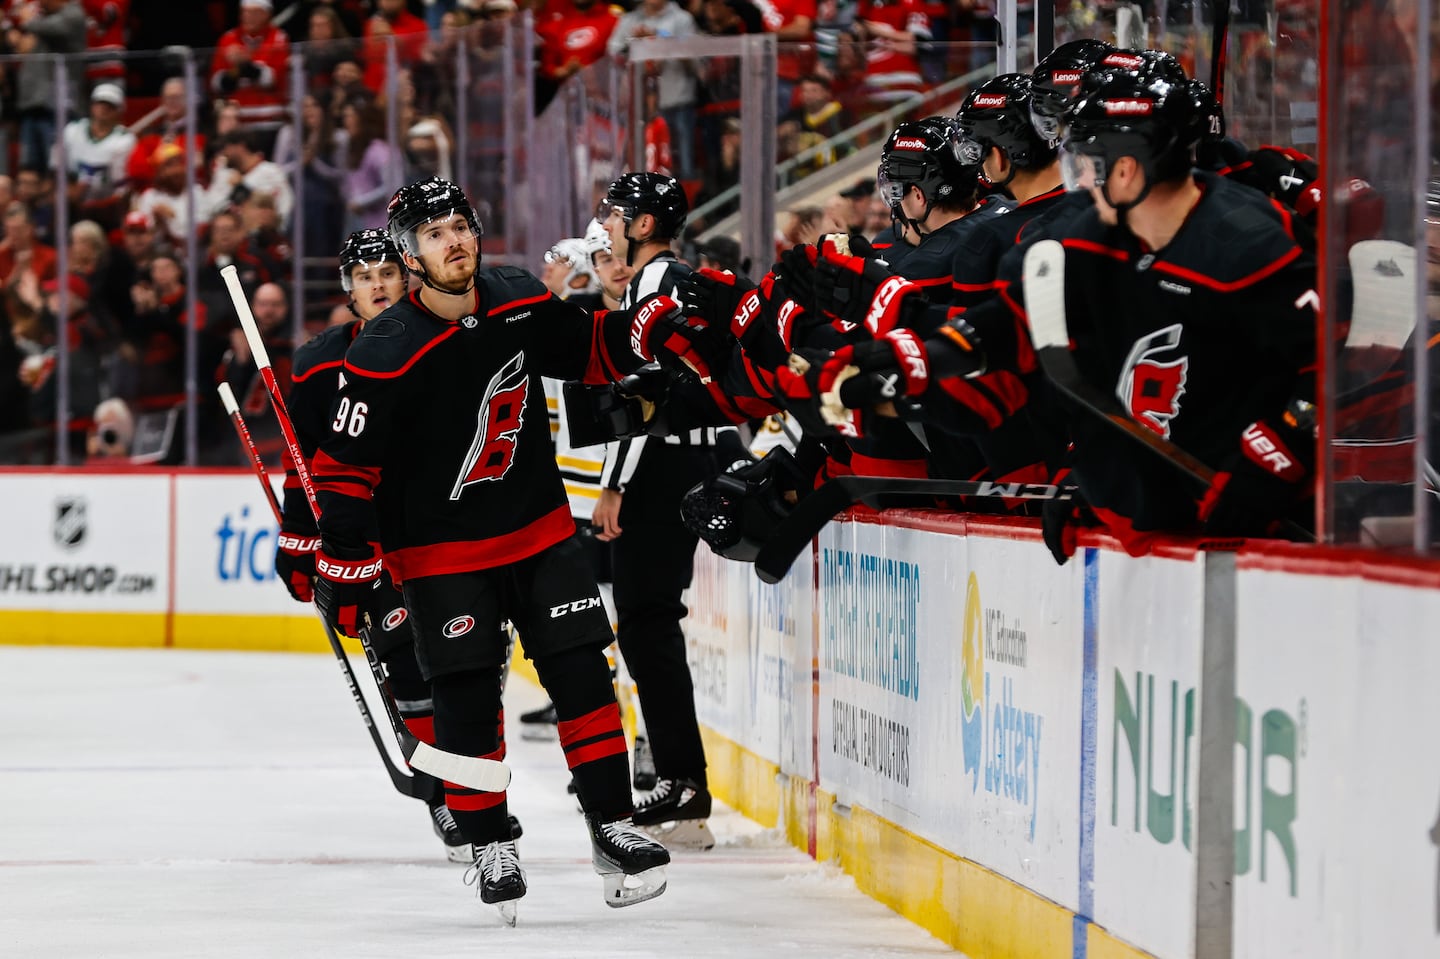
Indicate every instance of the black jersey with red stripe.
{"type": "Point", "coordinates": [452, 416]}
{"type": "Point", "coordinates": [315, 378]}
{"type": "Point", "coordinates": [942, 259]}
{"type": "Point", "coordinates": [1198, 340]}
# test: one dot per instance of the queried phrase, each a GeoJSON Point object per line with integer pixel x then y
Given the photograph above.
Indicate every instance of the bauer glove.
{"type": "Point", "coordinates": [659, 333]}
{"type": "Point", "coordinates": [1262, 481]}
{"type": "Point", "coordinates": [348, 587]}
{"type": "Point", "coordinates": [890, 368]}
{"type": "Point", "coordinates": [295, 562]}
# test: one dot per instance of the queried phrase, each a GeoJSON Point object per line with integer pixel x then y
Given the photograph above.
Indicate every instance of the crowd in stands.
{"type": "Point", "coordinates": [130, 190]}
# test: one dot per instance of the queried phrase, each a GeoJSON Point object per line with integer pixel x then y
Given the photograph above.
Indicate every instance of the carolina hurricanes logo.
{"type": "Point", "coordinates": [458, 626]}
{"type": "Point", "coordinates": [1151, 388]}
{"type": "Point", "coordinates": [579, 39]}
{"type": "Point", "coordinates": [501, 412]}
{"type": "Point", "coordinates": [395, 618]}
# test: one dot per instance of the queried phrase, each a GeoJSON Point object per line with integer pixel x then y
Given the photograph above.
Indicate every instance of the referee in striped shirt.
{"type": "Point", "coordinates": [638, 512]}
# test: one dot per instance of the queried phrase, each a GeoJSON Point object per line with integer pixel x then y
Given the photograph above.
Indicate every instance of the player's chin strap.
{"type": "Point", "coordinates": [426, 281]}
{"type": "Point", "coordinates": [897, 215]}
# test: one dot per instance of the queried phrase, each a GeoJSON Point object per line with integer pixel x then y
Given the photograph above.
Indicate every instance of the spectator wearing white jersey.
{"type": "Point", "coordinates": [97, 149]}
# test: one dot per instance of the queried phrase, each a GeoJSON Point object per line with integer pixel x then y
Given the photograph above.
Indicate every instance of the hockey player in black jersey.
{"type": "Point", "coordinates": [374, 277]}
{"type": "Point", "coordinates": [1192, 300]}
{"type": "Point", "coordinates": [652, 553]}
{"type": "Point", "coordinates": [441, 396]}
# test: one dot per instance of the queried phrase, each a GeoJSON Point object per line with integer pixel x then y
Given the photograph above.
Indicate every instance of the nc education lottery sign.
{"type": "Point", "coordinates": [949, 692]}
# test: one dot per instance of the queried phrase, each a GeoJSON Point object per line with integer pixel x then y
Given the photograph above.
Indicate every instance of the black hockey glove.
{"type": "Point", "coordinates": [348, 587]}
{"type": "Point", "coordinates": [891, 368]}
{"type": "Point", "coordinates": [1264, 480]}
{"type": "Point", "coordinates": [660, 333]}
{"type": "Point", "coordinates": [714, 297]}
{"type": "Point", "coordinates": [1060, 519]}
{"type": "Point", "coordinates": [863, 293]}
{"type": "Point", "coordinates": [295, 562]}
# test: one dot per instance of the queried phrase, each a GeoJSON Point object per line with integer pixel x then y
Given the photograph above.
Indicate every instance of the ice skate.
{"type": "Point", "coordinates": [540, 725]}
{"type": "Point", "coordinates": [631, 864]}
{"type": "Point", "coordinates": [498, 877]}
{"type": "Point", "coordinates": [645, 778]}
{"type": "Point", "coordinates": [456, 848]}
{"type": "Point", "coordinates": [675, 812]}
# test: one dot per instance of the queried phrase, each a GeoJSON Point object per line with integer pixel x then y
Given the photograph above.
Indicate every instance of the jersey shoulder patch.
{"type": "Point", "coordinates": [393, 339]}
{"type": "Point", "coordinates": [324, 351]}
{"type": "Point", "coordinates": [502, 286]}
{"type": "Point", "coordinates": [1239, 234]}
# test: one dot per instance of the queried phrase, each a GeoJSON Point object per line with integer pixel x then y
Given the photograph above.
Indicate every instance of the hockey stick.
{"type": "Point", "coordinates": [418, 785]}
{"type": "Point", "coordinates": [486, 775]}
{"type": "Point", "coordinates": [1219, 37]}
{"type": "Point", "coordinates": [878, 492]}
{"type": "Point", "coordinates": [1045, 304]}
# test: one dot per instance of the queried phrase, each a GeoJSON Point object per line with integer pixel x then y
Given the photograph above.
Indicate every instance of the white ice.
{"type": "Point", "coordinates": [166, 803]}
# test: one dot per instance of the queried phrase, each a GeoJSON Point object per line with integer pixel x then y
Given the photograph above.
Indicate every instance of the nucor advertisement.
{"type": "Point", "coordinates": [84, 543]}
{"type": "Point", "coordinates": [950, 694]}
{"type": "Point", "coordinates": [1338, 812]}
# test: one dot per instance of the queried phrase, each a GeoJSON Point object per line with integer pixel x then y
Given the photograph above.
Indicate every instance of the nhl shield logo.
{"type": "Point", "coordinates": [69, 529]}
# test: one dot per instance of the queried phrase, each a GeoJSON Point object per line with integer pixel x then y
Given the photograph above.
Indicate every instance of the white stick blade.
{"type": "Point", "coordinates": [247, 319]}
{"type": "Point", "coordinates": [1385, 293]}
{"type": "Point", "coordinates": [227, 399]}
{"type": "Point", "coordinates": [1045, 294]}
{"type": "Point", "coordinates": [487, 775]}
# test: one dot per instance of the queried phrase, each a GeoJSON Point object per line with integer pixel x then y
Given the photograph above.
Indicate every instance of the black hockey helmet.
{"type": "Point", "coordinates": [929, 154]}
{"type": "Point", "coordinates": [1056, 80]}
{"type": "Point", "coordinates": [366, 247]}
{"type": "Point", "coordinates": [418, 203]}
{"type": "Point", "coordinates": [997, 114]}
{"type": "Point", "coordinates": [659, 195]}
{"type": "Point", "coordinates": [737, 512]}
{"type": "Point", "coordinates": [1153, 120]}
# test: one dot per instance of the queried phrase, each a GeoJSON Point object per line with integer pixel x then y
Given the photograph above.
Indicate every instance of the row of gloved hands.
{"type": "Point", "coordinates": [828, 329]}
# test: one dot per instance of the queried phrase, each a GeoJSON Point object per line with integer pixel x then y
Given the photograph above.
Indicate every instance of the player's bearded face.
{"type": "Point", "coordinates": [449, 250]}
{"type": "Point", "coordinates": [375, 287]}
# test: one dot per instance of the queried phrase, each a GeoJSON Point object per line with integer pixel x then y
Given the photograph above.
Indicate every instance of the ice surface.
{"type": "Point", "coordinates": [167, 803]}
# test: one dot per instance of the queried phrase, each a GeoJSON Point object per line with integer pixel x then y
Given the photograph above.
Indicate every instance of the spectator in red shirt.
{"type": "Point", "coordinates": [20, 251]}
{"type": "Point", "coordinates": [169, 128]}
{"type": "Point", "coordinates": [793, 23]}
{"type": "Point", "coordinates": [250, 67]}
{"type": "Point", "coordinates": [573, 34]}
{"type": "Point", "coordinates": [105, 33]}
{"type": "Point", "coordinates": [410, 33]}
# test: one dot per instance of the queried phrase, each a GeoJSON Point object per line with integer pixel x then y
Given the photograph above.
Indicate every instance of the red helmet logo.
{"type": "Point", "coordinates": [1128, 107]}
{"type": "Point", "coordinates": [909, 143]}
{"type": "Point", "coordinates": [1151, 387]}
{"type": "Point", "coordinates": [990, 101]}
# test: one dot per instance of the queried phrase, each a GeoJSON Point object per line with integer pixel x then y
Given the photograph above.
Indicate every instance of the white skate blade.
{"type": "Point", "coordinates": [539, 732]}
{"type": "Point", "coordinates": [462, 854]}
{"type": "Point", "coordinates": [509, 911]}
{"type": "Point", "coordinates": [682, 834]}
{"type": "Point", "coordinates": [622, 890]}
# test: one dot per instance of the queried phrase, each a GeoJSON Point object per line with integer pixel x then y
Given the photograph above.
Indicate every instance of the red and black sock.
{"type": "Point", "coordinates": [467, 706]}
{"type": "Point", "coordinates": [578, 681]}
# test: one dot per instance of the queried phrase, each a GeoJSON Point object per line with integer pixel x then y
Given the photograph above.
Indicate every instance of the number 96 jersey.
{"type": "Point", "coordinates": [451, 415]}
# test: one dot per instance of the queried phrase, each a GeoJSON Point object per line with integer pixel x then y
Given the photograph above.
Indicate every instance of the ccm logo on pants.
{"type": "Point", "coordinates": [578, 606]}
